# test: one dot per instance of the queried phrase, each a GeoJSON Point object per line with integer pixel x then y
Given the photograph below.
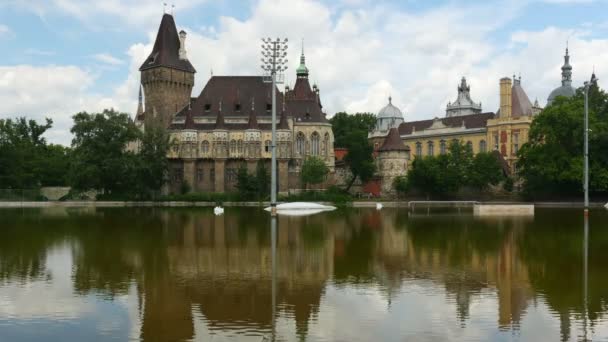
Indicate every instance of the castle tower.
{"type": "Point", "coordinates": [166, 75]}
{"type": "Point", "coordinates": [392, 160]}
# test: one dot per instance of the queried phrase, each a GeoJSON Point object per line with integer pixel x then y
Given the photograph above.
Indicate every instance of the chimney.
{"type": "Point", "coordinates": [505, 97]}
{"type": "Point", "coordinates": [182, 45]}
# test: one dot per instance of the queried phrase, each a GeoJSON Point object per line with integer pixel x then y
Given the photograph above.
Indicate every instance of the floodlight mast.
{"type": "Point", "coordinates": [274, 63]}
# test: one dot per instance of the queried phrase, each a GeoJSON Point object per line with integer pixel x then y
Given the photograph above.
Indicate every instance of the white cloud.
{"type": "Point", "coordinates": [360, 56]}
{"type": "Point", "coordinates": [357, 56]}
{"type": "Point", "coordinates": [4, 30]}
{"type": "Point", "coordinates": [107, 59]}
{"type": "Point", "coordinates": [57, 92]}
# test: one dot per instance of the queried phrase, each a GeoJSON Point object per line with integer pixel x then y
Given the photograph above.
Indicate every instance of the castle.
{"type": "Point", "coordinates": [228, 125]}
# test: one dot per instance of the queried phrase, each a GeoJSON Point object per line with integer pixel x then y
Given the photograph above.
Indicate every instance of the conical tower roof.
{"type": "Point", "coordinates": [219, 121]}
{"type": "Point", "coordinates": [165, 52]}
{"type": "Point", "coordinates": [189, 124]}
{"type": "Point", "coordinates": [283, 124]}
{"type": "Point", "coordinates": [393, 142]}
{"type": "Point", "coordinates": [253, 121]}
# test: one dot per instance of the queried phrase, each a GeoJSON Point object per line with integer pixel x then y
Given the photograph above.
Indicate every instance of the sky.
{"type": "Point", "coordinates": [60, 57]}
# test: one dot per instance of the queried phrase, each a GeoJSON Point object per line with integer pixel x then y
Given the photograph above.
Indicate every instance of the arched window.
{"type": "Point", "coordinates": [431, 148]}
{"type": "Point", "coordinates": [300, 144]}
{"type": "Point", "coordinates": [470, 146]}
{"type": "Point", "coordinates": [314, 143]}
{"type": "Point", "coordinates": [418, 149]}
{"type": "Point", "coordinates": [482, 146]}
{"type": "Point", "coordinates": [268, 146]}
{"type": "Point", "coordinates": [239, 147]}
{"type": "Point", "coordinates": [442, 147]}
{"type": "Point", "coordinates": [232, 147]}
{"type": "Point", "coordinates": [326, 145]}
{"type": "Point", "coordinates": [205, 147]}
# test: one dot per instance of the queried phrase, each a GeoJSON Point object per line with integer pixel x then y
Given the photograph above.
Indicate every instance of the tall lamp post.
{"type": "Point", "coordinates": [274, 63]}
{"type": "Point", "coordinates": [586, 176]}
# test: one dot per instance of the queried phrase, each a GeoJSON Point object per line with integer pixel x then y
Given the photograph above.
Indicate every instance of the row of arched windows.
{"type": "Point", "coordinates": [317, 148]}
{"type": "Point", "coordinates": [443, 147]}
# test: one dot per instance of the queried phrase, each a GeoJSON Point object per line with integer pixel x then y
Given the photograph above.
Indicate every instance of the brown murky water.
{"type": "Point", "coordinates": [355, 275]}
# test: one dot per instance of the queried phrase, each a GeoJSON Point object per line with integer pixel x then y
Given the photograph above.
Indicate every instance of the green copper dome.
{"type": "Point", "coordinates": [302, 70]}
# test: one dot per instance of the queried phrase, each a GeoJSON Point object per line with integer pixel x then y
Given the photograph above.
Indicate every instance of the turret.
{"type": "Point", "coordinates": [166, 75]}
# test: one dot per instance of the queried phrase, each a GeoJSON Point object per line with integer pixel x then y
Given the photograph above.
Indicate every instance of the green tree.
{"type": "Point", "coordinates": [314, 171]}
{"type": "Point", "coordinates": [153, 163]}
{"type": "Point", "coordinates": [485, 170]}
{"type": "Point", "coordinates": [445, 174]}
{"type": "Point", "coordinates": [101, 160]}
{"type": "Point", "coordinates": [343, 124]}
{"type": "Point", "coordinates": [26, 160]}
{"type": "Point", "coordinates": [359, 158]}
{"type": "Point", "coordinates": [245, 183]}
{"type": "Point", "coordinates": [551, 163]}
{"type": "Point", "coordinates": [262, 179]}
{"type": "Point", "coordinates": [401, 185]}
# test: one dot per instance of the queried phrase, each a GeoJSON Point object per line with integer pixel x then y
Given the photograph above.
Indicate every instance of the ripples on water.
{"type": "Point", "coordinates": [357, 275]}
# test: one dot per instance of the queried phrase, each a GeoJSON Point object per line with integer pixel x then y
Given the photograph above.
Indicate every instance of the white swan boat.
{"type": "Point", "coordinates": [606, 206]}
{"type": "Point", "coordinates": [301, 208]}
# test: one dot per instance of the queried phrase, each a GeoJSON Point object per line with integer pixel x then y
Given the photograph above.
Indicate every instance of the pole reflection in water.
{"type": "Point", "coordinates": [585, 274]}
{"type": "Point", "coordinates": [273, 241]}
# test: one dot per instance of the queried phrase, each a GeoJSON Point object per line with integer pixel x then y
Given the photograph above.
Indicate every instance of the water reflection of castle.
{"type": "Point", "coordinates": [191, 266]}
{"type": "Point", "coordinates": [222, 268]}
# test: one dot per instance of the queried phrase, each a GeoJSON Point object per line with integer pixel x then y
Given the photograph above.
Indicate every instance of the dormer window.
{"type": "Point", "coordinates": [207, 107]}
{"type": "Point", "coordinates": [268, 106]}
{"type": "Point", "coordinates": [307, 116]}
{"type": "Point", "coordinates": [237, 107]}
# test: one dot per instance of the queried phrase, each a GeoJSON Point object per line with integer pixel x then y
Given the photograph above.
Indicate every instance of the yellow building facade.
{"type": "Point", "coordinates": [505, 131]}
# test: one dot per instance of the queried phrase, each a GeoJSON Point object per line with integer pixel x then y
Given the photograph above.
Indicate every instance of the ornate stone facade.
{"type": "Point", "coordinates": [228, 126]}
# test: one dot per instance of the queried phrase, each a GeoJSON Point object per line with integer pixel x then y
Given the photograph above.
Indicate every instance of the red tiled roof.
{"type": "Point", "coordinates": [393, 142]}
{"type": "Point", "coordinates": [166, 48]}
{"type": "Point", "coordinates": [470, 121]}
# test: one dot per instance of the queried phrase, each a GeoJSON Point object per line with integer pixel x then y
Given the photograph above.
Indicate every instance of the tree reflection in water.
{"type": "Point", "coordinates": [233, 276]}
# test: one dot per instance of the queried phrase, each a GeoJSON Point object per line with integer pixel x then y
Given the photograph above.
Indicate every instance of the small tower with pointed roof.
{"type": "Point", "coordinates": [391, 160]}
{"type": "Point", "coordinates": [167, 75]}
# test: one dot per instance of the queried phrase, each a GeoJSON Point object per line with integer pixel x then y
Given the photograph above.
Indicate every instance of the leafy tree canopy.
{"type": "Point", "coordinates": [359, 158]}
{"type": "Point", "coordinates": [343, 124]}
{"type": "Point", "coordinates": [444, 174]}
{"type": "Point", "coordinates": [314, 171]}
{"type": "Point", "coordinates": [26, 160]}
{"type": "Point", "coordinates": [552, 160]}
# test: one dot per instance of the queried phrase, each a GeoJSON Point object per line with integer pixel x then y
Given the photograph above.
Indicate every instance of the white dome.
{"type": "Point", "coordinates": [390, 111]}
{"type": "Point", "coordinates": [388, 117]}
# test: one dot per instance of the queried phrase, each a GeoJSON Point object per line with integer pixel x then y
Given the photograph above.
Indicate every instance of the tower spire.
{"type": "Point", "coordinates": [302, 70]}
{"type": "Point", "coordinates": [140, 103]}
{"type": "Point", "coordinates": [567, 69]}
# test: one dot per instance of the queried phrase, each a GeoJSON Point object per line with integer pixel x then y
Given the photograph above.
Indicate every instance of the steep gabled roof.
{"type": "Point", "coordinates": [393, 142]}
{"type": "Point", "coordinates": [232, 91]}
{"type": "Point", "coordinates": [165, 52]}
{"type": "Point", "coordinates": [520, 103]}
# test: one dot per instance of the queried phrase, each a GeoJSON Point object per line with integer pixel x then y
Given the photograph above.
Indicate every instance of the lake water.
{"type": "Point", "coordinates": [355, 275]}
